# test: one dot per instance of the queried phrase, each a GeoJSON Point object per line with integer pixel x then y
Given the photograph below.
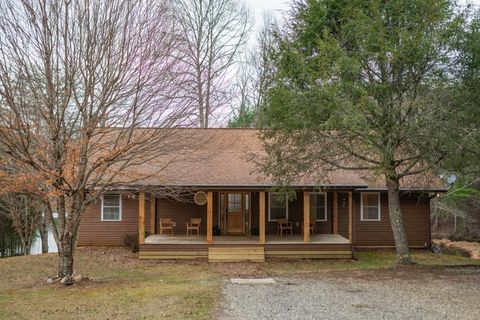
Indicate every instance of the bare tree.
{"type": "Point", "coordinates": [245, 88]}
{"type": "Point", "coordinates": [25, 213]}
{"type": "Point", "coordinates": [43, 232]}
{"type": "Point", "coordinates": [214, 32]}
{"type": "Point", "coordinates": [86, 93]}
{"type": "Point", "coordinates": [252, 78]}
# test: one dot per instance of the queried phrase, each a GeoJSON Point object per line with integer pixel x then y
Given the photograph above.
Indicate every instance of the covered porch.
{"type": "Point", "coordinates": [240, 225]}
{"type": "Point", "coordinates": [246, 239]}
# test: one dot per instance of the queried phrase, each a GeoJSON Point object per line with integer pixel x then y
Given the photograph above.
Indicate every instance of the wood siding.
{"type": "Point", "coordinates": [295, 215]}
{"type": "Point", "coordinates": [416, 212]}
{"type": "Point", "coordinates": [181, 212]}
{"type": "Point", "coordinates": [95, 232]}
{"type": "Point", "coordinates": [416, 215]}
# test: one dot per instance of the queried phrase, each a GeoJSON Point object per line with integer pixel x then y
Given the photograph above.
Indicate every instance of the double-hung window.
{"type": "Point", "coordinates": [277, 206]}
{"type": "Point", "coordinates": [112, 207]}
{"type": "Point", "coordinates": [370, 206]}
{"type": "Point", "coordinates": [318, 206]}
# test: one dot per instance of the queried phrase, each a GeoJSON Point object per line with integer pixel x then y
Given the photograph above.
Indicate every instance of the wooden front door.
{"type": "Point", "coordinates": [235, 213]}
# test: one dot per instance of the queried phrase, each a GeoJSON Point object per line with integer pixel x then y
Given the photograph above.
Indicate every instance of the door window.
{"type": "Point", "coordinates": [234, 202]}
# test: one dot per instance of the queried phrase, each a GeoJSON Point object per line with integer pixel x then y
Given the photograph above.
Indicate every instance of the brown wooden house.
{"type": "Point", "coordinates": [214, 178]}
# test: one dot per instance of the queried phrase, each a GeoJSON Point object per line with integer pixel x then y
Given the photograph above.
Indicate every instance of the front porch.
{"type": "Point", "coordinates": [241, 248]}
{"type": "Point", "coordinates": [246, 229]}
{"type": "Point", "coordinates": [249, 239]}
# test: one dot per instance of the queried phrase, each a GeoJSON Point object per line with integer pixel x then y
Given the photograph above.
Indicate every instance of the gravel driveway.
{"type": "Point", "coordinates": [406, 293]}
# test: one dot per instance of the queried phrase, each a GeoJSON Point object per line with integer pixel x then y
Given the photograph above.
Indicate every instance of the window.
{"type": "Point", "coordinates": [277, 206]}
{"type": "Point", "coordinates": [318, 206]}
{"type": "Point", "coordinates": [234, 202]}
{"type": "Point", "coordinates": [370, 206]}
{"type": "Point", "coordinates": [111, 207]}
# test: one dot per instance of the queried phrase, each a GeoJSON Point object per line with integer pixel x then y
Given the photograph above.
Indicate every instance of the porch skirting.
{"type": "Point", "coordinates": [228, 249]}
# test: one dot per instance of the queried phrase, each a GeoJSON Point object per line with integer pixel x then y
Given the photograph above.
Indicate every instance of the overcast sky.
{"type": "Point", "coordinates": [260, 6]}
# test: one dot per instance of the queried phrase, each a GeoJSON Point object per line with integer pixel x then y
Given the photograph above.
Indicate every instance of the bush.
{"type": "Point", "coordinates": [131, 241]}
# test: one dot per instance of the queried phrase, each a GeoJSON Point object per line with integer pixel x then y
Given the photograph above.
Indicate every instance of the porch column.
{"type": "Point", "coordinates": [152, 214]}
{"type": "Point", "coordinates": [335, 212]}
{"type": "Point", "coordinates": [306, 217]}
{"type": "Point", "coordinates": [141, 218]}
{"type": "Point", "coordinates": [350, 217]}
{"type": "Point", "coordinates": [261, 217]}
{"type": "Point", "coordinates": [209, 216]}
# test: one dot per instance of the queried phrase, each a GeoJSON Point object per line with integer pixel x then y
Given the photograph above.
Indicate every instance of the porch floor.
{"type": "Point", "coordinates": [246, 239]}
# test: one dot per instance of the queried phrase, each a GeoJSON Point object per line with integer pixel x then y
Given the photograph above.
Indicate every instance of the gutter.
{"type": "Point", "coordinates": [405, 190]}
{"type": "Point", "coordinates": [247, 187]}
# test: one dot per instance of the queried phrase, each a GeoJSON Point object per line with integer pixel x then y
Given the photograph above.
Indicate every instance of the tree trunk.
{"type": "Point", "coordinates": [396, 220]}
{"type": "Point", "coordinates": [44, 233]}
{"type": "Point", "coordinates": [65, 253]}
{"type": "Point", "coordinates": [28, 245]}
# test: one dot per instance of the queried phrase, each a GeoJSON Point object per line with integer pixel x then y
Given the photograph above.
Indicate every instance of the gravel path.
{"type": "Point", "coordinates": [413, 293]}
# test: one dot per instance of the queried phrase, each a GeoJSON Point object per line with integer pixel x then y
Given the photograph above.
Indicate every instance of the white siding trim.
{"type": "Point", "coordinates": [120, 209]}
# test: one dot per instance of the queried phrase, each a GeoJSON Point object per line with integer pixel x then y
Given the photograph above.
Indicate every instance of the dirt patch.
{"type": "Point", "coordinates": [239, 269]}
{"type": "Point", "coordinates": [412, 273]}
{"type": "Point", "coordinates": [471, 248]}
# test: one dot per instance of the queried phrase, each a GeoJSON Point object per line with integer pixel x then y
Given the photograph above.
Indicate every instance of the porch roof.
{"type": "Point", "coordinates": [226, 158]}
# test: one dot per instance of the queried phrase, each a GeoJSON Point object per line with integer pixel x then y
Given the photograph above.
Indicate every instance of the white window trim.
{"type": "Point", "coordinates": [120, 213]}
{"type": "Point", "coordinates": [269, 202]}
{"type": "Point", "coordinates": [361, 206]}
{"type": "Point", "coordinates": [326, 211]}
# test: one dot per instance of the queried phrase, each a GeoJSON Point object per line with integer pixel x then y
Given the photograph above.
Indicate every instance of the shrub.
{"type": "Point", "coordinates": [131, 241]}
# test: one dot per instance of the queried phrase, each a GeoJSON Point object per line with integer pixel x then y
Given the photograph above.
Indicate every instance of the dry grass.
{"type": "Point", "coordinates": [124, 287]}
{"type": "Point", "coordinates": [471, 249]}
{"type": "Point", "coordinates": [369, 260]}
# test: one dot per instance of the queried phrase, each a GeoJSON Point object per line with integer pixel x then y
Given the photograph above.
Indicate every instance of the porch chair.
{"type": "Point", "coordinates": [194, 225]}
{"type": "Point", "coordinates": [312, 227]}
{"type": "Point", "coordinates": [284, 224]}
{"type": "Point", "coordinates": [167, 225]}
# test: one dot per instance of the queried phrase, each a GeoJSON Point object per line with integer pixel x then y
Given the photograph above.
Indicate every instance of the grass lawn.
{"type": "Point", "coordinates": [125, 288]}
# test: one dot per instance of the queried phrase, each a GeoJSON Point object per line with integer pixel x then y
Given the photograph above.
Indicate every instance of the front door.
{"type": "Point", "coordinates": [235, 213]}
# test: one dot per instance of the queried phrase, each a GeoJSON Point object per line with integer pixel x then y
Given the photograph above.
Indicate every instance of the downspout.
{"type": "Point", "coordinates": [354, 228]}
